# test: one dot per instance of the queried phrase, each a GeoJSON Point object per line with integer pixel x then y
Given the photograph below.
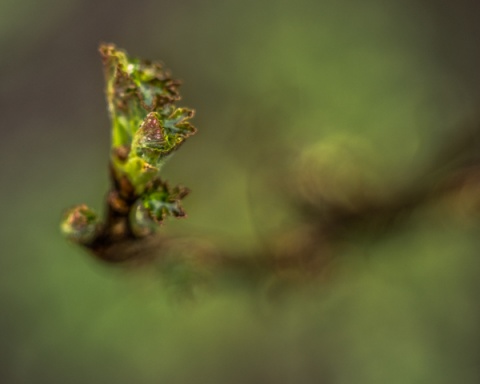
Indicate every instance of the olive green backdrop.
{"type": "Point", "coordinates": [269, 80]}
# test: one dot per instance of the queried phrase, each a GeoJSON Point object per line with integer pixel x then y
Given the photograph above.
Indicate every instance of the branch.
{"type": "Point", "coordinates": [147, 128]}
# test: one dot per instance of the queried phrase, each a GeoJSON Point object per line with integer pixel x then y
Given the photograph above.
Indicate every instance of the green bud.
{"type": "Point", "coordinates": [134, 89]}
{"type": "Point", "coordinates": [80, 224]}
{"type": "Point", "coordinates": [141, 222]}
{"type": "Point", "coordinates": [154, 206]}
{"type": "Point", "coordinates": [146, 126]}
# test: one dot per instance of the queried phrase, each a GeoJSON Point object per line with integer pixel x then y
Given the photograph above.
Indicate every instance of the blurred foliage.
{"type": "Point", "coordinates": [272, 83]}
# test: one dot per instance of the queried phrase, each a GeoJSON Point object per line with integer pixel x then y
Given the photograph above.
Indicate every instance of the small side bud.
{"type": "Point", "coordinates": [80, 224]}
{"type": "Point", "coordinates": [141, 223]}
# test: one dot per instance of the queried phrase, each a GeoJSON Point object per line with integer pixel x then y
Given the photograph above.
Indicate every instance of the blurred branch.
{"type": "Point", "coordinates": [453, 168]}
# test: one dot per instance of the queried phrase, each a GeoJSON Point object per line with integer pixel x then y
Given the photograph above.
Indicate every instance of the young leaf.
{"type": "Point", "coordinates": [146, 126]}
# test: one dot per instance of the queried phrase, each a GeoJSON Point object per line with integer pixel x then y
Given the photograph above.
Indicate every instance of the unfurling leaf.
{"type": "Point", "coordinates": [146, 126]}
{"type": "Point", "coordinates": [155, 205]}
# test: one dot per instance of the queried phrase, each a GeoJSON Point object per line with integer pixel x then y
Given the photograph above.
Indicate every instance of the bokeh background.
{"type": "Point", "coordinates": [269, 80]}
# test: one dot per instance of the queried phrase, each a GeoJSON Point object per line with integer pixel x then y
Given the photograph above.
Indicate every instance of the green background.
{"type": "Point", "coordinates": [269, 80]}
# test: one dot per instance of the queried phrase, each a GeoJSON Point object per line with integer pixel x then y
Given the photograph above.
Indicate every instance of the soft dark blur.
{"type": "Point", "coordinates": [270, 81]}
